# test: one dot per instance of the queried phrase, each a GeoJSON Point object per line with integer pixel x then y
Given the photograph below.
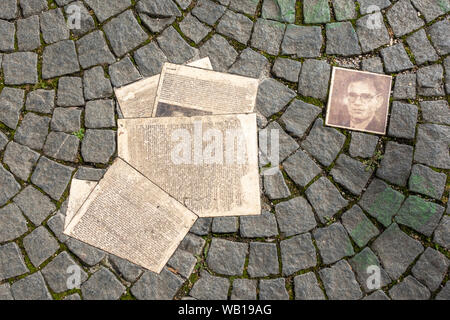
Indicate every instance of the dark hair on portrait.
{"type": "Point", "coordinates": [377, 83]}
{"type": "Point", "coordinates": [338, 113]}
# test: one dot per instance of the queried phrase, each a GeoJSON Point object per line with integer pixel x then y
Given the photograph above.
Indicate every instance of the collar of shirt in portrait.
{"type": "Point", "coordinates": [354, 123]}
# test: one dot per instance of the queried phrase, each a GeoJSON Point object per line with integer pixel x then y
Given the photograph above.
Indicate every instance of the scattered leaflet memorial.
{"type": "Point", "coordinates": [178, 159]}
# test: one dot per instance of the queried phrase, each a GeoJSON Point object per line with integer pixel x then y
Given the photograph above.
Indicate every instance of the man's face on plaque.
{"type": "Point", "coordinates": [362, 101]}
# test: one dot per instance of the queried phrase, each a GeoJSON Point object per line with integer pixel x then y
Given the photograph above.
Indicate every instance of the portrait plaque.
{"type": "Point", "coordinates": [358, 100]}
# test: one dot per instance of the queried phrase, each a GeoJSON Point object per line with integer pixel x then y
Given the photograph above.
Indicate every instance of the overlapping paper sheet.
{"type": "Point", "coordinates": [191, 160]}
{"type": "Point", "coordinates": [188, 91]}
{"type": "Point", "coordinates": [129, 216]}
{"type": "Point", "coordinates": [208, 163]}
{"type": "Point", "coordinates": [136, 100]}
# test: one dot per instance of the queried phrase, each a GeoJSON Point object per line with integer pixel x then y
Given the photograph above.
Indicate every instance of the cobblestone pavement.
{"type": "Point", "coordinates": [344, 200]}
